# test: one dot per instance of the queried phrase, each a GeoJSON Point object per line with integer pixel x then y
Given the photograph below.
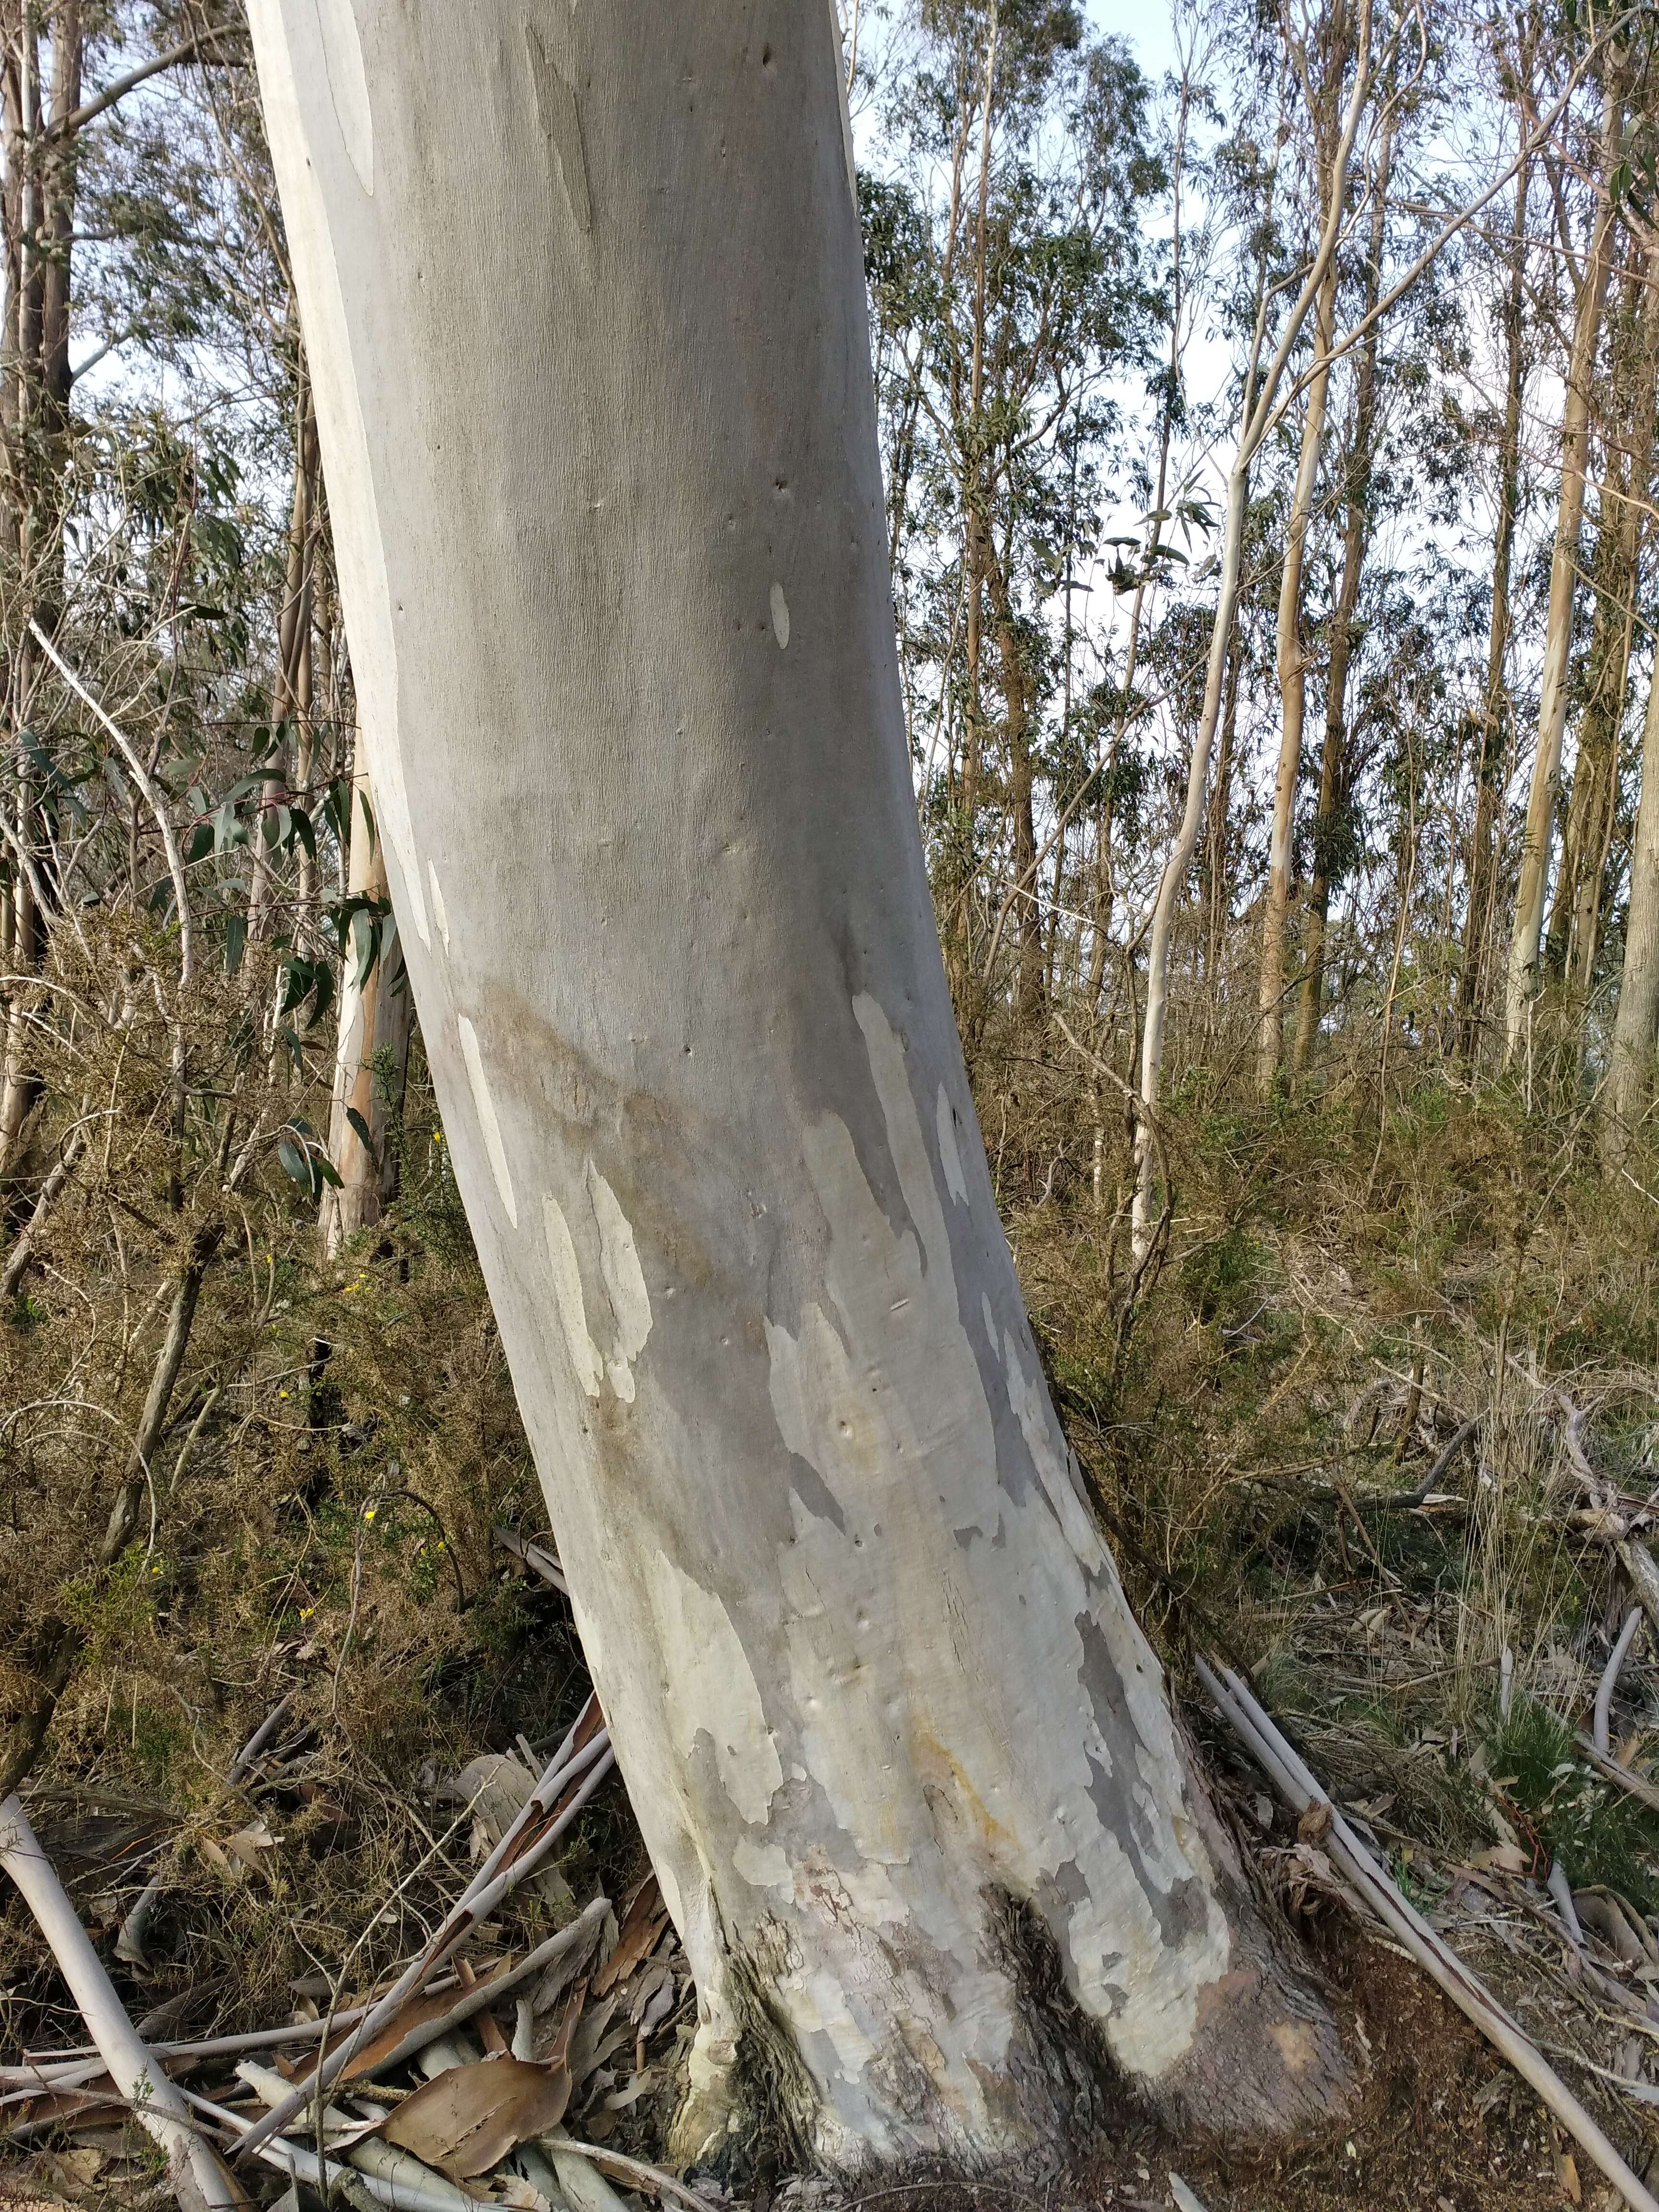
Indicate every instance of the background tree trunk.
{"type": "Point", "coordinates": [1293, 692]}
{"type": "Point", "coordinates": [1355, 531]}
{"type": "Point", "coordinates": [622, 637]}
{"type": "Point", "coordinates": [1564, 574]}
{"type": "Point", "coordinates": [1495, 716]}
{"type": "Point", "coordinates": [376, 1015]}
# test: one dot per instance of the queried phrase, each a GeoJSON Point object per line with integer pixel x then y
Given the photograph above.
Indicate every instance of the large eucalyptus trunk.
{"type": "Point", "coordinates": [620, 623]}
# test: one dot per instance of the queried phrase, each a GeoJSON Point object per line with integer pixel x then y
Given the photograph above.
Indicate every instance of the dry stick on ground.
{"type": "Point", "coordinates": [566, 1948]}
{"type": "Point", "coordinates": [199, 2180]}
{"type": "Point", "coordinates": [535, 1556]}
{"type": "Point", "coordinates": [1403, 1500]}
{"type": "Point", "coordinates": [1284, 1768]}
{"type": "Point", "coordinates": [326, 2175]}
{"type": "Point", "coordinates": [491, 1883]}
{"type": "Point", "coordinates": [1635, 1785]}
{"type": "Point", "coordinates": [1605, 1687]}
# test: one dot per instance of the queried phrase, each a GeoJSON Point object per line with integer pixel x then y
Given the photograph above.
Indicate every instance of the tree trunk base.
{"type": "Point", "coordinates": [1268, 2067]}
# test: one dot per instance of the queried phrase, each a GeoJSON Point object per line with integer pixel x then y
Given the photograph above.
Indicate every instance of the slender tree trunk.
{"type": "Point", "coordinates": [371, 1059]}
{"type": "Point", "coordinates": [1575, 921]}
{"type": "Point", "coordinates": [1292, 690]}
{"type": "Point", "coordinates": [1355, 533]}
{"type": "Point", "coordinates": [625, 657]}
{"type": "Point", "coordinates": [1636, 1023]}
{"type": "Point", "coordinates": [293, 656]}
{"type": "Point", "coordinates": [1217, 872]}
{"type": "Point", "coordinates": [1323, 101]}
{"type": "Point", "coordinates": [44, 261]}
{"type": "Point", "coordinates": [1029, 996]}
{"type": "Point", "coordinates": [1557, 635]}
{"type": "Point", "coordinates": [1495, 717]}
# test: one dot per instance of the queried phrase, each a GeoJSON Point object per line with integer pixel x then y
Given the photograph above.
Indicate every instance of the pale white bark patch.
{"type": "Point", "coordinates": [342, 58]}
{"type": "Point", "coordinates": [764, 1866]}
{"type": "Point", "coordinates": [438, 913]}
{"type": "Point", "coordinates": [623, 1279]}
{"type": "Point", "coordinates": [624, 1283]}
{"type": "Point", "coordinates": [288, 48]}
{"type": "Point", "coordinates": [950, 1155]}
{"type": "Point", "coordinates": [709, 1688]}
{"type": "Point", "coordinates": [567, 1290]}
{"type": "Point", "coordinates": [780, 617]}
{"type": "Point", "coordinates": [489, 1126]}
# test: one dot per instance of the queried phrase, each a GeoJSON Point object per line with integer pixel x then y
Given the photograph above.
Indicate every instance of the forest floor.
{"type": "Point", "coordinates": [1269, 1431]}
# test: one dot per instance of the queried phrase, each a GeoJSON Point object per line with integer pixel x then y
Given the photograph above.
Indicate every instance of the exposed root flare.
{"type": "Point", "coordinates": [749, 2104]}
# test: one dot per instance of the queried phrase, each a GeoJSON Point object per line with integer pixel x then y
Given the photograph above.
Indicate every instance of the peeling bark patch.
{"type": "Point", "coordinates": [709, 1689]}
{"type": "Point", "coordinates": [438, 914]}
{"type": "Point", "coordinates": [949, 1156]}
{"type": "Point", "coordinates": [780, 617]}
{"type": "Point", "coordinates": [489, 1126]}
{"type": "Point", "coordinates": [567, 1290]}
{"type": "Point", "coordinates": [624, 1280]}
{"type": "Point", "coordinates": [624, 1283]}
{"type": "Point", "coordinates": [556, 104]}
{"type": "Point", "coordinates": [342, 59]}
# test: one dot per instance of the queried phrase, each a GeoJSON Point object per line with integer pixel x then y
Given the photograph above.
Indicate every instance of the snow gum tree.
{"type": "Point", "coordinates": [582, 294]}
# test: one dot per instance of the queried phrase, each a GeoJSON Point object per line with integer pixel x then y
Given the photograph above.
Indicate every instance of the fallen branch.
{"type": "Point", "coordinates": [256, 1742]}
{"type": "Point", "coordinates": [1401, 1501]}
{"type": "Point", "coordinates": [198, 2179]}
{"type": "Point", "coordinates": [1609, 1681]}
{"type": "Point", "coordinates": [498, 1875]}
{"type": "Point", "coordinates": [535, 1556]}
{"type": "Point", "coordinates": [567, 1945]}
{"type": "Point", "coordinates": [1636, 1785]}
{"type": "Point", "coordinates": [634, 2171]}
{"type": "Point", "coordinates": [1284, 1768]}
{"type": "Point", "coordinates": [129, 1943]}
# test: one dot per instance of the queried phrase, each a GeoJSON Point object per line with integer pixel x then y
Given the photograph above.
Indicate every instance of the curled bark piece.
{"type": "Point", "coordinates": [198, 2179]}
{"type": "Point", "coordinates": [1561, 1890]}
{"type": "Point", "coordinates": [1284, 1768]}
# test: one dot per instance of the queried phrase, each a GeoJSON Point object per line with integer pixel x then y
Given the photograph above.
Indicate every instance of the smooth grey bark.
{"type": "Point", "coordinates": [583, 299]}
